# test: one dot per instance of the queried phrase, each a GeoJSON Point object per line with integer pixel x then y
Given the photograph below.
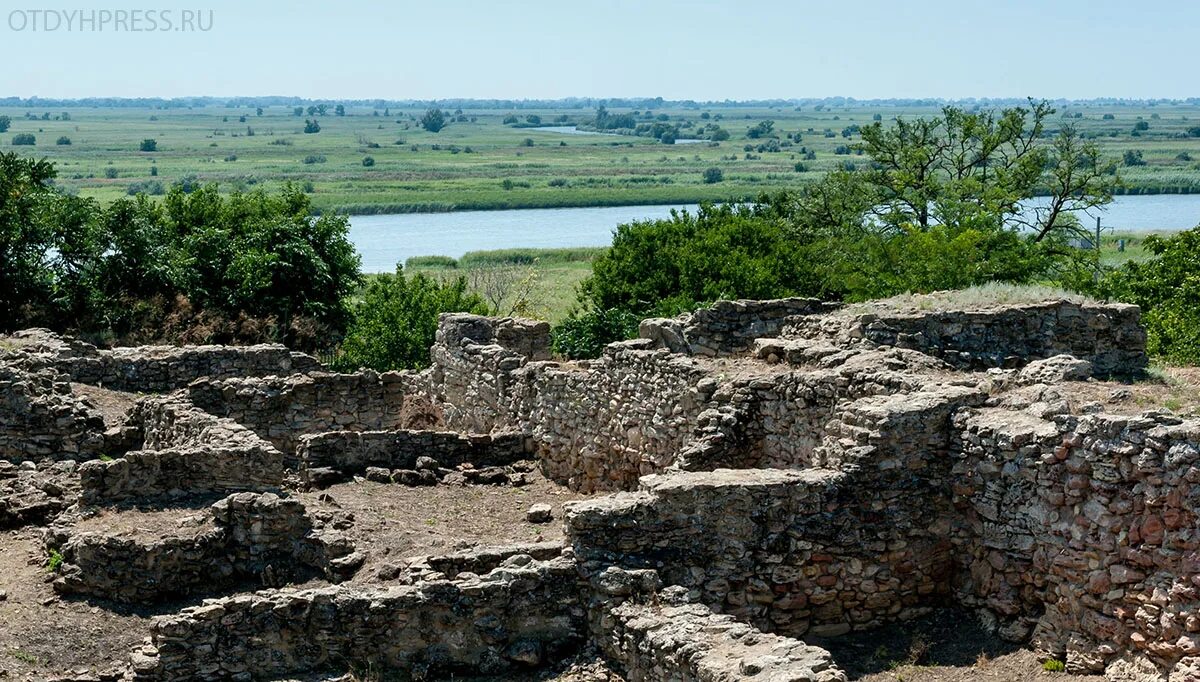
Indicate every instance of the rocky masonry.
{"type": "Point", "coordinates": [780, 470]}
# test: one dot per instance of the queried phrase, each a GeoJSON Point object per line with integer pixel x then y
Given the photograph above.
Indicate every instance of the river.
{"type": "Point", "coordinates": [384, 240]}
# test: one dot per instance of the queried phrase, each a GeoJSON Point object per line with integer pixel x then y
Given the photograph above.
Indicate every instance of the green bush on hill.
{"type": "Point", "coordinates": [251, 261]}
{"type": "Point", "coordinates": [395, 323]}
{"type": "Point", "coordinates": [1167, 288]}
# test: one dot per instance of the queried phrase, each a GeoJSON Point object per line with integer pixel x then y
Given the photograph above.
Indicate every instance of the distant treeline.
{"type": "Point", "coordinates": [564, 103]}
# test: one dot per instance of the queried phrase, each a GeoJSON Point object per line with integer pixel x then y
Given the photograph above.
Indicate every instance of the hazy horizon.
{"type": "Point", "coordinates": [701, 51]}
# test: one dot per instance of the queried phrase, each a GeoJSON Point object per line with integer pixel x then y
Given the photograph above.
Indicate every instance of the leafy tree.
{"type": "Point", "coordinates": [665, 266]}
{"type": "Point", "coordinates": [761, 129]}
{"type": "Point", "coordinates": [5, 123]}
{"type": "Point", "coordinates": [533, 119]}
{"type": "Point", "coordinates": [973, 170]}
{"type": "Point", "coordinates": [396, 321]}
{"type": "Point", "coordinates": [433, 120]}
{"type": "Point", "coordinates": [1141, 125]}
{"type": "Point", "coordinates": [26, 239]}
{"type": "Point", "coordinates": [24, 139]}
{"type": "Point", "coordinates": [713, 175]}
{"type": "Point", "coordinates": [298, 111]}
{"type": "Point", "coordinates": [1133, 158]}
{"type": "Point", "coordinates": [148, 145]}
{"type": "Point", "coordinates": [1167, 288]}
{"type": "Point", "coordinates": [584, 335]}
{"type": "Point", "coordinates": [311, 126]}
{"type": "Point", "coordinates": [339, 110]}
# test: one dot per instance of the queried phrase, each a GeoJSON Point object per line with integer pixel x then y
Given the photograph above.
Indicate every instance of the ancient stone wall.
{"type": "Point", "coordinates": [594, 426]}
{"type": "Point", "coordinates": [156, 369]}
{"type": "Point", "coordinates": [283, 409]}
{"type": "Point", "coordinates": [726, 327]}
{"type": "Point", "coordinates": [155, 473]}
{"type": "Point", "coordinates": [518, 617]}
{"type": "Point", "coordinates": [793, 552]}
{"type": "Point", "coordinates": [1110, 336]}
{"type": "Point", "coordinates": [689, 643]}
{"type": "Point", "coordinates": [1083, 531]}
{"type": "Point", "coordinates": [351, 452]}
{"type": "Point", "coordinates": [181, 450]}
{"type": "Point", "coordinates": [40, 419]}
{"type": "Point", "coordinates": [242, 537]}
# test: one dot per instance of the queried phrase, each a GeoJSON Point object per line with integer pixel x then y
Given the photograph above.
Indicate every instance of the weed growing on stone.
{"type": "Point", "coordinates": [55, 561]}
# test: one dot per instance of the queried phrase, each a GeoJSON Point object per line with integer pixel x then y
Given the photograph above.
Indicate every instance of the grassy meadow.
{"type": "Point", "coordinates": [481, 163]}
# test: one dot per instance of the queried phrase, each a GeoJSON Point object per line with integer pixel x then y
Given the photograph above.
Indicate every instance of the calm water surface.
{"type": "Point", "coordinates": [384, 240]}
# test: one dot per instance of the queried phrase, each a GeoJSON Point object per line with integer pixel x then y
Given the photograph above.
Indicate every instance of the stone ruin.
{"type": "Point", "coordinates": [766, 472]}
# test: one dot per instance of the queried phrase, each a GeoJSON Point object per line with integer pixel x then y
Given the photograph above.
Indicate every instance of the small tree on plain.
{"type": "Point", "coordinates": [433, 120]}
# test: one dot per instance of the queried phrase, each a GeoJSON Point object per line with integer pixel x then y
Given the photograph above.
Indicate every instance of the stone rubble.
{"type": "Point", "coordinates": [781, 469]}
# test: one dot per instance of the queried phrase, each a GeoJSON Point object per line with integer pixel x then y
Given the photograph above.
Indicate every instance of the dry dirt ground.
{"type": "Point", "coordinates": [43, 636]}
{"type": "Point", "coordinates": [392, 522]}
{"type": "Point", "coordinates": [947, 646]}
{"type": "Point", "coordinates": [112, 405]}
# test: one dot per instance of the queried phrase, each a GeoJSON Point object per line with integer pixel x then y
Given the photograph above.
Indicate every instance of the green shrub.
{"type": "Point", "coordinates": [368, 162]}
{"type": "Point", "coordinates": [151, 187]}
{"type": "Point", "coordinates": [1053, 665]}
{"type": "Point", "coordinates": [24, 139]}
{"type": "Point", "coordinates": [63, 141]}
{"type": "Point", "coordinates": [430, 262]}
{"type": "Point", "coordinates": [664, 266]}
{"type": "Point", "coordinates": [395, 323]}
{"type": "Point", "coordinates": [1168, 290]}
{"type": "Point", "coordinates": [713, 175]}
{"type": "Point", "coordinates": [586, 334]}
{"type": "Point", "coordinates": [110, 173]}
{"type": "Point", "coordinates": [148, 145]}
{"type": "Point", "coordinates": [54, 561]}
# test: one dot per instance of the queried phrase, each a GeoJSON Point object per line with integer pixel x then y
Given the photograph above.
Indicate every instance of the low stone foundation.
{"type": "Point", "coordinates": [283, 409]}
{"type": "Point", "coordinates": [1110, 335]}
{"type": "Point", "coordinates": [186, 451]}
{"type": "Point", "coordinates": [156, 369]}
{"type": "Point", "coordinates": [40, 419]}
{"type": "Point", "coordinates": [176, 473]}
{"type": "Point", "coordinates": [341, 454]}
{"type": "Point", "coordinates": [518, 617]}
{"type": "Point", "coordinates": [240, 538]}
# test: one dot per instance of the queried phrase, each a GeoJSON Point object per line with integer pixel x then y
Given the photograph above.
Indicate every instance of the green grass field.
{"type": "Point", "coordinates": [466, 165]}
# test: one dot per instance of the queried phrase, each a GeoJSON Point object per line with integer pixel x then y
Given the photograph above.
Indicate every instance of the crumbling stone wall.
{"type": "Point", "coordinates": [156, 369]}
{"type": "Point", "coordinates": [241, 537]}
{"type": "Point", "coordinates": [726, 327]}
{"type": "Point", "coordinates": [594, 426]}
{"type": "Point", "coordinates": [518, 617]}
{"type": "Point", "coordinates": [351, 452]}
{"type": "Point", "coordinates": [181, 450]}
{"type": "Point", "coordinates": [794, 552]}
{"type": "Point", "coordinates": [689, 643]}
{"type": "Point", "coordinates": [1110, 336]}
{"type": "Point", "coordinates": [40, 419]}
{"type": "Point", "coordinates": [155, 473]}
{"type": "Point", "coordinates": [1083, 531]}
{"type": "Point", "coordinates": [283, 409]}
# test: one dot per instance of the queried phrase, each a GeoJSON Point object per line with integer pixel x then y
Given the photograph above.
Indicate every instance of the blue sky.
{"type": "Point", "coordinates": [701, 49]}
